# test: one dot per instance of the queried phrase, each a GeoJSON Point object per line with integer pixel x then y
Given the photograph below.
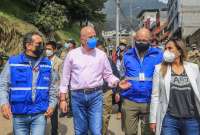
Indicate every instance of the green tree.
{"type": "Point", "coordinates": [50, 18]}
{"type": "Point", "coordinates": [83, 11]}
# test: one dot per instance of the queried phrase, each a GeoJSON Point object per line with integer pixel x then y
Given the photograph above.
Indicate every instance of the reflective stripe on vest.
{"type": "Point", "coordinates": [29, 88]}
{"type": "Point", "coordinates": [45, 66]}
{"type": "Point", "coordinates": [19, 65]}
{"type": "Point", "coordinates": [137, 78]}
{"type": "Point", "coordinates": [22, 87]}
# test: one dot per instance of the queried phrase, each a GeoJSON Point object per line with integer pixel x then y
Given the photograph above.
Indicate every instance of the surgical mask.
{"type": "Point", "coordinates": [122, 47]}
{"type": "Point", "coordinates": [142, 47]}
{"type": "Point", "coordinates": [39, 50]}
{"type": "Point", "coordinates": [169, 56]}
{"type": "Point", "coordinates": [49, 53]}
{"type": "Point", "coordinates": [91, 43]}
{"type": "Point", "coordinates": [66, 45]}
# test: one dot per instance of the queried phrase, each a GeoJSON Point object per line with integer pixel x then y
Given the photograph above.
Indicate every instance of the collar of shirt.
{"type": "Point", "coordinates": [53, 58]}
{"type": "Point", "coordinates": [140, 58]}
{"type": "Point", "coordinates": [87, 52]}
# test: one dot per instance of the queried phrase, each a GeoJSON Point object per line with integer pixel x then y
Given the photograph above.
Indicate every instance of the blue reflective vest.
{"type": "Point", "coordinates": [22, 89]}
{"type": "Point", "coordinates": [140, 90]}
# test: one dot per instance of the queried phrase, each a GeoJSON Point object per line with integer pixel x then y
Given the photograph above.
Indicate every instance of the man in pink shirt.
{"type": "Point", "coordinates": [84, 70]}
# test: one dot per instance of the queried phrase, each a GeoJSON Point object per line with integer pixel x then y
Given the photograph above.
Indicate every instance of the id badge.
{"type": "Point", "coordinates": [141, 77]}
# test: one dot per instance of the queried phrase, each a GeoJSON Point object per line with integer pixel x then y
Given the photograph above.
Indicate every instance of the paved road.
{"type": "Point", "coordinates": [65, 126]}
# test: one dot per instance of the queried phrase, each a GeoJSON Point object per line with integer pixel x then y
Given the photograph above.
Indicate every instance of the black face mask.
{"type": "Point", "coordinates": [39, 50]}
{"type": "Point", "coordinates": [141, 47]}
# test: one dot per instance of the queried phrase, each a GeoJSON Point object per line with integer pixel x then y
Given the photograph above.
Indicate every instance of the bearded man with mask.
{"type": "Point", "coordinates": [139, 63]}
{"type": "Point", "coordinates": [85, 68]}
{"type": "Point", "coordinates": [27, 91]}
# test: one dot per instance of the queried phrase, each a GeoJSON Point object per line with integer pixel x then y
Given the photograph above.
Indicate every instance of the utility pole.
{"type": "Point", "coordinates": [117, 22]}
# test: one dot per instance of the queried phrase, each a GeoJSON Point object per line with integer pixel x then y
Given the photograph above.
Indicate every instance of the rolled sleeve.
{"type": "Point", "coordinates": [4, 85]}
{"type": "Point", "coordinates": [53, 91]}
{"type": "Point", "coordinates": [66, 74]}
{"type": "Point", "coordinates": [108, 75]}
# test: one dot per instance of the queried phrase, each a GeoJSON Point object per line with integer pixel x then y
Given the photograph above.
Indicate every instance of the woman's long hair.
{"type": "Point", "coordinates": [181, 47]}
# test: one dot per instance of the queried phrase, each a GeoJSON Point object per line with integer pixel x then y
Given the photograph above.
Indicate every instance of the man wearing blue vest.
{"type": "Point", "coordinates": [27, 91]}
{"type": "Point", "coordinates": [139, 63]}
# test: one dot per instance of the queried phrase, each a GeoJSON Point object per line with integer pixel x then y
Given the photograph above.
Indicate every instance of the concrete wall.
{"type": "Point", "coordinates": [191, 2]}
{"type": "Point", "coordinates": [190, 23]}
{"type": "Point", "coordinates": [188, 16]}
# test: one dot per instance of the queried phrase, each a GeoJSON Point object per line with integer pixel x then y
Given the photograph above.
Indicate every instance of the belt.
{"type": "Point", "coordinates": [88, 90]}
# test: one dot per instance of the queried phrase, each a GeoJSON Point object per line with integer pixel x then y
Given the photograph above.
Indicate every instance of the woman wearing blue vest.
{"type": "Point", "coordinates": [27, 91]}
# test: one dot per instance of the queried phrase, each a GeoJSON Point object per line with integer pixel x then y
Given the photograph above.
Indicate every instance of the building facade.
{"type": "Point", "coordinates": [147, 18]}
{"type": "Point", "coordinates": [159, 31]}
{"type": "Point", "coordinates": [156, 21]}
{"type": "Point", "coordinates": [183, 17]}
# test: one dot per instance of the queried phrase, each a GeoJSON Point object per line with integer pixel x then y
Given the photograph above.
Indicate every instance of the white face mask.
{"type": "Point", "coordinates": [122, 47]}
{"type": "Point", "coordinates": [66, 45]}
{"type": "Point", "coordinates": [169, 56]}
{"type": "Point", "coordinates": [49, 53]}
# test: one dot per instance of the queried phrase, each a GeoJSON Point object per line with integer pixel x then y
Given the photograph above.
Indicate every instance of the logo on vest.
{"type": "Point", "coordinates": [46, 78]}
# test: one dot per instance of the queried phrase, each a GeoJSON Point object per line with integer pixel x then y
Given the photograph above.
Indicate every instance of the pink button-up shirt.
{"type": "Point", "coordinates": [86, 70]}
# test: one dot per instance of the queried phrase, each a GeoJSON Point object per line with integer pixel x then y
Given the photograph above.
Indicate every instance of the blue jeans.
{"type": "Point", "coordinates": [87, 112]}
{"type": "Point", "coordinates": [180, 126]}
{"type": "Point", "coordinates": [29, 124]}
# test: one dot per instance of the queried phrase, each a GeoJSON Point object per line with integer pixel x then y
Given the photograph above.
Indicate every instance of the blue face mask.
{"type": "Point", "coordinates": [91, 43]}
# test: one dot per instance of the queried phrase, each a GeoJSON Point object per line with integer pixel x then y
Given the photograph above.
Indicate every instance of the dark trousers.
{"type": "Point", "coordinates": [54, 122]}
